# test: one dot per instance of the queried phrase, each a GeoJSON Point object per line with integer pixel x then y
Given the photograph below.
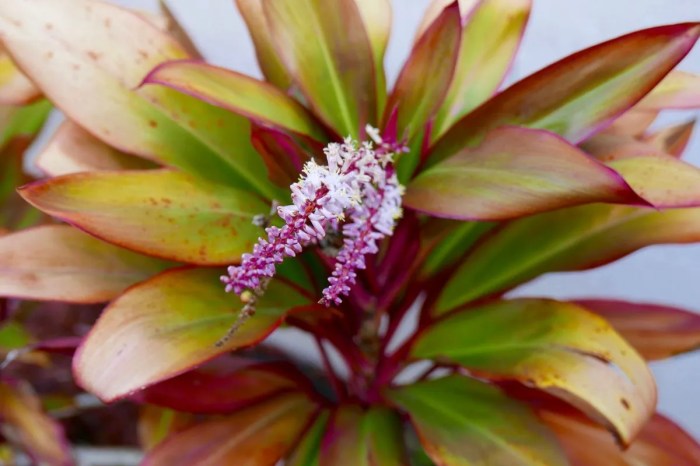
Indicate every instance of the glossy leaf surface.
{"type": "Point", "coordinates": [159, 212]}
{"type": "Point", "coordinates": [660, 443]}
{"type": "Point", "coordinates": [270, 64]}
{"type": "Point", "coordinates": [39, 435]}
{"type": "Point", "coordinates": [213, 392]}
{"type": "Point", "coordinates": [466, 422]}
{"type": "Point", "coordinates": [238, 93]}
{"type": "Point", "coordinates": [577, 238]}
{"type": "Point", "coordinates": [325, 48]}
{"type": "Point", "coordinates": [73, 150]}
{"type": "Point", "coordinates": [414, 98]}
{"type": "Point", "coordinates": [553, 346]}
{"type": "Point", "coordinates": [167, 325]}
{"type": "Point", "coordinates": [257, 436]}
{"type": "Point", "coordinates": [355, 437]}
{"type": "Point", "coordinates": [60, 263]}
{"type": "Point", "coordinates": [580, 94]}
{"type": "Point", "coordinates": [515, 172]}
{"type": "Point", "coordinates": [95, 83]}
{"type": "Point", "coordinates": [655, 331]}
{"type": "Point", "coordinates": [490, 38]}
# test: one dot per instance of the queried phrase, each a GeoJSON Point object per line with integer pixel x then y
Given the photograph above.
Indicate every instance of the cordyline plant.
{"type": "Point", "coordinates": [348, 212]}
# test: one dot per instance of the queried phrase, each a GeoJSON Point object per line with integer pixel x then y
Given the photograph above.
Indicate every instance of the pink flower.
{"type": "Point", "coordinates": [356, 194]}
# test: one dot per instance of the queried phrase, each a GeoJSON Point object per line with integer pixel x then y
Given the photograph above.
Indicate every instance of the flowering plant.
{"type": "Point", "coordinates": [348, 212]}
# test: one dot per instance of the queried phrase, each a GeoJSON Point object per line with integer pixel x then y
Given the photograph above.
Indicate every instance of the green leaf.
{"type": "Point", "coordinates": [580, 94]}
{"type": "Point", "coordinates": [434, 54]}
{"type": "Point", "coordinates": [270, 64]}
{"type": "Point", "coordinates": [31, 428]}
{"type": "Point", "coordinates": [655, 331]}
{"type": "Point", "coordinates": [662, 181]}
{"type": "Point", "coordinates": [60, 263]}
{"type": "Point", "coordinates": [74, 150]}
{"type": "Point", "coordinates": [376, 16]}
{"type": "Point", "coordinates": [169, 324]}
{"type": "Point", "coordinates": [490, 38]}
{"type": "Point", "coordinates": [260, 435]}
{"type": "Point", "coordinates": [358, 437]}
{"type": "Point", "coordinates": [515, 172]}
{"type": "Point", "coordinates": [238, 93]}
{"type": "Point", "coordinates": [326, 50]}
{"type": "Point", "coordinates": [452, 240]}
{"type": "Point", "coordinates": [309, 447]}
{"type": "Point", "coordinates": [94, 82]}
{"type": "Point", "coordinates": [158, 212]}
{"type": "Point", "coordinates": [577, 238]}
{"type": "Point", "coordinates": [466, 422]}
{"type": "Point", "coordinates": [553, 346]}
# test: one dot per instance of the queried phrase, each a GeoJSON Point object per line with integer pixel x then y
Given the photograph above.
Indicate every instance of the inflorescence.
{"type": "Point", "coordinates": [357, 194]}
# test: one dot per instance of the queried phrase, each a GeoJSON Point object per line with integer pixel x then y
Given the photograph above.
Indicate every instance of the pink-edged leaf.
{"type": "Point", "coordinates": [556, 347]}
{"type": "Point", "coordinates": [270, 64]}
{"type": "Point", "coordinates": [15, 87]}
{"type": "Point", "coordinates": [259, 435]}
{"type": "Point", "coordinates": [656, 331]}
{"type": "Point", "coordinates": [660, 443]}
{"type": "Point", "coordinates": [462, 421]}
{"type": "Point", "coordinates": [168, 325]}
{"type": "Point", "coordinates": [205, 391]}
{"type": "Point", "coordinates": [580, 94]}
{"type": "Point", "coordinates": [679, 90]}
{"type": "Point", "coordinates": [95, 83]}
{"type": "Point", "coordinates": [436, 7]}
{"type": "Point", "coordinates": [175, 29]}
{"type": "Point", "coordinates": [609, 146]}
{"type": "Point", "coordinates": [308, 449]}
{"type": "Point", "coordinates": [325, 48]}
{"type": "Point", "coordinates": [662, 181]}
{"type": "Point", "coordinates": [60, 263]}
{"type": "Point", "coordinates": [377, 16]}
{"type": "Point", "coordinates": [672, 140]}
{"type": "Point", "coordinates": [414, 99]}
{"type": "Point", "coordinates": [632, 123]}
{"type": "Point", "coordinates": [358, 437]}
{"type": "Point", "coordinates": [254, 99]}
{"type": "Point", "coordinates": [162, 213]}
{"type": "Point", "coordinates": [73, 150]}
{"type": "Point", "coordinates": [576, 238]}
{"type": "Point", "coordinates": [497, 26]}
{"type": "Point", "coordinates": [30, 428]}
{"type": "Point", "coordinates": [283, 156]}
{"type": "Point", "coordinates": [515, 172]}
{"type": "Point", "coordinates": [156, 424]}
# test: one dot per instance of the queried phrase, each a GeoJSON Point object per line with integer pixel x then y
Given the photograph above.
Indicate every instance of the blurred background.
{"type": "Point", "coordinates": [662, 274]}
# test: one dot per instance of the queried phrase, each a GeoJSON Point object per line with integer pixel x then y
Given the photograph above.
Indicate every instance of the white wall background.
{"type": "Point", "coordinates": [665, 274]}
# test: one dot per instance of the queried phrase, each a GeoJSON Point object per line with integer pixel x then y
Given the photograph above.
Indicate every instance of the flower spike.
{"type": "Point", "coordinates": [356, 194]}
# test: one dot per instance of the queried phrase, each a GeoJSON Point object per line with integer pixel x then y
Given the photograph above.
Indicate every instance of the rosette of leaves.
{"type": "Point", "coordinates": [164, 162]}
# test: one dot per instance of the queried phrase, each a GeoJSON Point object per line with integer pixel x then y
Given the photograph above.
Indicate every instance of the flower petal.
{"type": "Point", "coordinates": [556, 347]}
{"type": "Point", "coordinates": [60, 263]}
{"type": "Point", "coordinates": [324, 46]}
{"type": "Point", "coordinates": [656, 331]}
{"type": "Point", "coordinates": [73, 150]}
{"type": "Point", "coordinates": [158, 212]}
{"type": "Point", "coordinates": [515, 172]}
{"type": "Point", "coordinates": [167, 325]}
{"type": "Point", "coordinates": [576, 238]}
{"type": "Point", "coordinates": [260, 435]}
{"type": "Point", "coordinates": [580, 94]}
{"type": "Point", "coordinates": [462, 421]}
